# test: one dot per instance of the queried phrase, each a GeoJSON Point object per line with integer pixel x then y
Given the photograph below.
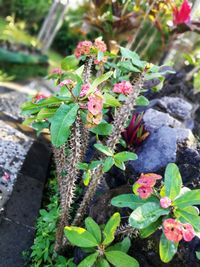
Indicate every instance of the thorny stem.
{"type": "Point", "coordinates": [69, 180]}
{"type": "Point", "coordinates": [120, 119]}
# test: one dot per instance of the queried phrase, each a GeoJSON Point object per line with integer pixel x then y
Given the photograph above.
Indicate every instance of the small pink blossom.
{"type": "Point", "coordinates": [100, 45]}
{"type": "Point", "coordinates": [188, 232]}
{"type": "Point", "coordinates": [66, 82]}
{"type": "Point", "coordinates": [102, 61]}
{"type": "Point", "coordinates": [172, 230]}
{"type": "Point", "coordinates": [83, 48]}
{"type": "Point", "coordinates": [148, 179]}
{"type": "Point", "coordinates": [144, 192]}
{"type": "Point", "coordinates": [6, 177]}
{"type": "Point", "coordinates": [39, 97]}
{"type": "Point", "coordinates": [56, 71]}
{"type": "Point", "coordinates": [182, 15]}
{"type": "Point", "coordinates": [84, 89]}
{"type": "Point", "coordinates": [123, 87]}
{"type": "Point", "coordinates": [95, 103]}
{"type": "Point", "coordinates": [93, 120]}
{"type": "Point", "coordinates": [165, 202]}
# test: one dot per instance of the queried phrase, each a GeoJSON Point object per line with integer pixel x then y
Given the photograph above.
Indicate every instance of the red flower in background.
{"type": "Point", "coordinates": [182, 15]}
{"type": "Point", "coordinates": [135, 133]}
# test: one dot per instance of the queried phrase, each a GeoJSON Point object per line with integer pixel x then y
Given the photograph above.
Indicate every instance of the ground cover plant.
{"type": "Point", "coordinates": [97, 93]}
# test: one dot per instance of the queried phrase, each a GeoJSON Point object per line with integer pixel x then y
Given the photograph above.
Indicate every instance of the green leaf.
{"type": "Point", "coordinates": [29, 120]}
{"type": "Point", "coordinates": [191, 209]}
{"type": "Point", "coordinates": [198, 255]}
{"type": "Point", "coordinates": [196, 82]}
{"type": "Point", "coordinates": [187, 217]}
{"type": "Point", "coordinates": [120, 164]}
{"type": "Point", "coordinates": [46, 113]}
{"type": "Point", "coordinates": [80, 237]}
{"type": "Point", "coordinates": [69, 63]}
{"type": "Point", "coordinates": [82, 166]}
{"type": "Point", "coordinates": [146, 214]}
{"type": "Point", "coordinates": [104, 149]}
{"type": "Point", "coordinates": [77, 89]}
{"type": "Point", "coordinates": [123, 246]}
{"type": "Point", "coordinates": [126, 53]}
{"type": "Point", "coordinates": [104, 77]}
{"type": "Point", "coordinates": [131, 201]}
{"type": "Point", "coordinates": [172, 181]}
{"type": "Point", "coordinates": [108, 163]}
{"type": "Point", "coordinates": [94, 164]}
{"type": "Point", "coordinates": [127, 65]}
{"type": "Point", "coordinates": [43, 103]}
{"type": "Point", "coordinates": [188, 199]}
{"type": "Point", "coordinates": [100, 55]}
{"type": "Point", "coordinates": [121, 259]}
{"type": "Point", "coordinates": [93, 228]}
{"type": "Point", "coordinates": [110, 228]}
{"type": "Point", "coordinates": [103, 128]}
{"type": "Point", "coordinates": [61, 122]}
{"type": "Point", "coordinates": [86, 177]}
{"type": "Point", "coordinates": [142, 101]}
{"type": "Point", "coordinates": [167, 249]}
{"type": "Point", "coordinates": [111, 101]}
{"type": "Point", "coordinates": [102, 263]}
{"type": "Point", "coordinates": [89, 260]}
{"type": "Point", "coordinates": [40, 125]}
{"type": "Point", "coordinates": [150, 229]}
{"type": "Point", "coordinates": [125, 156]}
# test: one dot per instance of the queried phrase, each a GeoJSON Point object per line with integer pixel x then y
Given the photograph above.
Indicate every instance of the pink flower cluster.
{"type": "Point", "coordinates": [146, 183]}
{"type": "Point", "coordinates": [68, 83]}
{"type": "Point", "coordinates": [84, 89]}
{"type": "Point", "coordinates": [182, 15]}
{"type": "Point", "coordinates": [176, 231]}
{"type": "Point", "coordinates": [95, 106]}
{"type": "Point", "coordinates": [56, 71]}
{"type": "Point", "coordinates": [88, 48]}
{"type": "Point", "coordinates": [123, 87]}
{"type": "Point", "coordinates": [83, 48]}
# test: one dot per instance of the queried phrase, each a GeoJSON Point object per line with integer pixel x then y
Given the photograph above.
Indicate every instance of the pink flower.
{"type": "Point", "coordinates": [6, 177]}
{"type": "Point", "coordinates": [123, 87]}
{"type": "Point", "coordinates": [56, 71]}
{"type": "Point", "coordinates": [98, 62]}
{"type": "Point", "coordinates": [165, 202]}
{"type": "Point", "coordinates": [95, 103]}
{"type": "Point", "coordinates": [148, 179]}
{"type": "Point", "coordinates": [188, 232]}
{"type": "Point", "coordinates": [182, 15]}
{"type": "Point", "coordinates": [172, 230]}
{"type": "Point", "coordinates": [84, 89]}
{"type": "Point", "coordinates": [93, 120]}
{"type": "Point", "coordinates": [83, 48]}
{"type": "Point", "coordinates": [66, 82]}
{"type": "Point", "coordinates": [145, 191]}
{"type": "Point", "coordinates": [100, 45]}
{"type": "Point", "coordinates": [38, 97]}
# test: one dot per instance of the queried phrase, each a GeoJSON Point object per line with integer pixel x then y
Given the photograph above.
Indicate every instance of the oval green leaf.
{"type": "Point", "coordinates": [93, 228]}
{"type": "Point", "coordinates": [121, 259]}
{"type": "Point", "coordinates": [110, 228]}
{"type": "Point", "coordinates": [167, 249]}
{"type": "Point", "coordinates": [89, 260]}
{"type": "Point", "coordinates": [189, 198]}
{"type": "Point", "coordinates": [125, 156]}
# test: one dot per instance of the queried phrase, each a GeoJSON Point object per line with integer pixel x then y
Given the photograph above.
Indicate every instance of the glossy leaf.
{"type": "Point", "coordinates": [103, 128]}
{"type": "Point", "coordinates": [173, 181]}
{"type": "Point", "coordinates": [127, 65]}
{"type": "Point", "coordinates": [89, 260]}
{"type": "Point", "coordinates": [125, 156]}
{"type": "Point", "coordinates": [167, 249]}
{"type": "Point", "coordinates": [93, 228]}
{"type": "Point", "coordinates": [189, 198]}
{"type": "Point", "coordinates": [149, 230]}
{"type": "Point", "coordinates": [108, 163]}
{"type": "Point", "coordinates": [142, 101]}
{"type": "Point", "coordinates": [46, 113]}
{"type": "Point", "coordinates": [102, 263]}
{"type": "Point", "coordinates": [104, 149]}
{"type": "Point", "coordinates": [121, 259]}
{"type": "Point", "coordinates": [110, 228]}
{"type": "Point", "coordinates": [104, 77]}
{"type": "Point", "coordinates": [120, 164]}
{"type": "Point", "coordinates": [146, 214]}
{"type": "Point", "coordinates": [123, 246]}
{"type": "Point", "coordinates": [111, 101]}
{"type": "Point", "coordinates": [61, 122]}
{"type": "Point", "coordinates": [80, 237]}
{"type": "Point", "coordinates": [131, 201]}
{"type": "Point", "coordinates": [86, 177]}
{"type": "Point", "coordinates": [69, 63]}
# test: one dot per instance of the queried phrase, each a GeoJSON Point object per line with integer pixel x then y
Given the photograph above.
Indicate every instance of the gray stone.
{"type": "Point", "coordinates": [158, 150]}
{"type": "Point", "coordinates": [154, 120]}
{"type": "Point", "coordinates": [175, 106]}
{"type": "Point", "coordinates": [185, 135]}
